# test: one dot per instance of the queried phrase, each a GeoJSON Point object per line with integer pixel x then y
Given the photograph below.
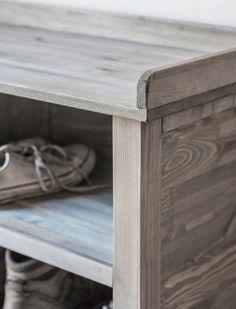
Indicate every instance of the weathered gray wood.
{"type": "Point", "coordinates": [167, 85]}
{"type": "Point", "coordinates": [174, 178]}
{"type": "Point", "coordinates": [191, 102]}
{"type": "Point", "coordinates": [99, 72]}
{"type": "Point", "coordinates": [122, 27]}
{"type": "Point", "coordinates": [69, 125]}
{"type": "Point", "coordinates": [20, 118]}
{"type": "Point", "coordinates": [209, 283]}
{"type": "Point", "coordinates": [96, 74]}
{"type": "Point", "coordinates": [198, 207]}
{"type": "Point", "coordinates": [68, 231]}
{"type": "Point", "coordinates": [26, 118]}
{"type": "Point", "coordinates": [192, 115]}
{"type": "Point", "coordinates": [137, 214]}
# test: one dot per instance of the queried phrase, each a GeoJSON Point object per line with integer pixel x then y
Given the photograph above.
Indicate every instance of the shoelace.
{"type": "Point", "coordinates": [16, 284]}
{"type": "Point", "coordinates": [42, 157]}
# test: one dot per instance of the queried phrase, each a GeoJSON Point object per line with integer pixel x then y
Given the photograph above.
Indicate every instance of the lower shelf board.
{"type": "Point", "coordinates": [73, 232]}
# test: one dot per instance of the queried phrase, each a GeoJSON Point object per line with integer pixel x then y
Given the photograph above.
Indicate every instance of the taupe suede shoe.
{"type": "Point", "coordinates": [34, 285]}
{"type": "Point", "coordinates": [2, 275]}
{"type": "Point", "coordinates": [34, 167]}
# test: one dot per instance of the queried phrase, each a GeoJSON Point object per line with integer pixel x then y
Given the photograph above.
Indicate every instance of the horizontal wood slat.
{"type": "Point", "coordinates": [72, 232]}
{"type": "Point", "coordinates": [184, 80]}
{"type": "Point", "coordinates": [191, 115]}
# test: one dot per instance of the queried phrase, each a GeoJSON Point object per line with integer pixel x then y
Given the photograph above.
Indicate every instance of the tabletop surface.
{"type": "Point", "coordinates": [95, 72]}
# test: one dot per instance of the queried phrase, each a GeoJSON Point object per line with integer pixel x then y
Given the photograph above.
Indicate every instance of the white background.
{"type": "Point", "coordinates": [221, 12]}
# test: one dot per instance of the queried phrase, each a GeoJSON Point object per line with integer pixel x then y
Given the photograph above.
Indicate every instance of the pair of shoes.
{"type": "Point", "coordinates": [35, 167]}
{"type": "Point", "coordinates": [31, 284]}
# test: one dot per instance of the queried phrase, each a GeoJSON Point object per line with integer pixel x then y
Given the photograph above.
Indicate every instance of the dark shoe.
{"type": "Point", "coordinates": [35, 285]}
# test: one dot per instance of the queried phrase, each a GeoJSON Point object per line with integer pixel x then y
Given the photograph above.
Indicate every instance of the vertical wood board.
{"type": "Point", "coordinates": [137, 214]}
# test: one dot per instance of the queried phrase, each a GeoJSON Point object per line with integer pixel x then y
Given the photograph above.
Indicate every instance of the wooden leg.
{"type": "Point", "coordinates": [136, 153]}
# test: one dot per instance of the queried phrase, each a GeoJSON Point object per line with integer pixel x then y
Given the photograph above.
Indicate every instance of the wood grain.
{"type": "Point", "coordinates": [188, 79]}
{"type": "Point", "coordinates": [21, 118]}
{"type": "Point", "coordinates": [69, 126]}
{"type": "Point", "coordinates": [190, 116]}
{"type": "Point", "coordinates": [99, 72]}
{"type": "Point", "coordinates": [27, 118]}
{"type": "Point", "coordinates": [170, 33]}
{"type": "Point", "coordinates": [61, 230]}
{"type": "Point", "coordinates": [201, 285]}
{"type": "Point", "coordinates": [88, 78]}
{"type": "Point", "coordinates": [191, 102]}
{"type": "Point", "coordinates": [96, 74]}
{"type": "Point", "coordinates": [73, 232]}
{"type": "Point", "coordinates": [137, 214]}
{"type": "Point", "coordinates": [174, 178]}
{"type": "Point", "coordinates": [198, 207]}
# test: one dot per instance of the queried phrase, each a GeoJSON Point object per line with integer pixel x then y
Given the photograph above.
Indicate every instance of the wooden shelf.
{"type": "Point", "coordinates": [173, 176]}
{"type": "Point", "coordinates": [68, 231]}
{"type": "Point", "coordinates": [91, 60]}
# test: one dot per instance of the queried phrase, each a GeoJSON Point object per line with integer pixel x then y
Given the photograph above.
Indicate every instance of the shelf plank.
{"type": "Point", "coordinates": [73, 232]}
{"type": "Point", "coordinates": [101, 62]}
{"type": "Point", "coordinates": [128, 27]}
{"type": "Point", "coordinates": [86, 72]}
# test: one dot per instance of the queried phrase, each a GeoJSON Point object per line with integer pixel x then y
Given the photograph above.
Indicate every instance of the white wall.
{"type": "Point", "coordinates": [221, 12]}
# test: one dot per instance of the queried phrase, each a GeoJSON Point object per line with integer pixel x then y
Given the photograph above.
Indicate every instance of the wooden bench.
{"type": "Point", "coordinates": [157, 100]}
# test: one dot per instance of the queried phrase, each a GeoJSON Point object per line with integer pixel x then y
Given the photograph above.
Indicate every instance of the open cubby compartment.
{"type": "Point", "coordinates": [69, 231]}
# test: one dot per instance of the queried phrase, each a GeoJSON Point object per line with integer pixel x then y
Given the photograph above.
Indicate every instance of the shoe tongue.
{"type": "Point", "coordinates": [25, 268]}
